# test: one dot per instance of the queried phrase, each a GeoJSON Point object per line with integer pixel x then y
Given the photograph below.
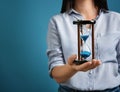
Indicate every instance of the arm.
{"type": "Point", "coordinates": [58, 69]}
{"type": "Point", "coordinates": [63, 73]}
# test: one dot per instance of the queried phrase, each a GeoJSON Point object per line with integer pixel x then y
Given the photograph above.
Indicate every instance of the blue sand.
{"type": "Point", "coordinates": [85, 54]}
{"type": "Point", "coordinates": [84, 37]}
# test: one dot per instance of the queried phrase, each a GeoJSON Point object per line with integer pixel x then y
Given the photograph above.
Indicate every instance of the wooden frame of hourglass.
{"type": "Point", "coordinates": [79, 24]}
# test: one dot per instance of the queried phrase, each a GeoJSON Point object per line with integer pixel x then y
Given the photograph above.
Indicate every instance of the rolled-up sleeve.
{"type": "Point", "coordinates": [118, 55]}
{"type": "Point", "coordinates": [54, 50]}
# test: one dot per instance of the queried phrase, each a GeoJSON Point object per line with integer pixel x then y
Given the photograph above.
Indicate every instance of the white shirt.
{"type": "Point", "coordinates": [62, 43]}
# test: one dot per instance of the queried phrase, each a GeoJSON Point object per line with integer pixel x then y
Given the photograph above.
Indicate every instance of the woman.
{"type": "Point", "coordinates": [100, 74]}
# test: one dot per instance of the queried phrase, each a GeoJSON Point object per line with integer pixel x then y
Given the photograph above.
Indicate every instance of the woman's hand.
{"type": "Point", "coordinates": [85, 66]}
{"type": "Point", "coordinates": [65, 72]}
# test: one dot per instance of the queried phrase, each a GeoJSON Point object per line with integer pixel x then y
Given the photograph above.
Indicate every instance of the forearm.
{"type": "Point", "coordinates": [63, 73]}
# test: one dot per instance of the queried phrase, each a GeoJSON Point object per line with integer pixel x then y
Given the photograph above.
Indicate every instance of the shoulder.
{"type": "Point", "coordinates": [58, 20]}
{"type": "Point", "coordinates": [59, 17]}
{"type": "Point", "coordinates": [112, 15]}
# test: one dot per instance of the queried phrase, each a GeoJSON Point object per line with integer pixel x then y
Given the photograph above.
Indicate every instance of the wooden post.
{"type": "Point", "coordinates": [93, 51]}
{"type": "Point", "coordinates": [78, 26]}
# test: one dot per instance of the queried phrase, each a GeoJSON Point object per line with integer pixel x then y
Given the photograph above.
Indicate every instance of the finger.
{"type": "Point", "coordinates": [71, 59]}
{"type": "Point", "coordinates": [84, 66]}
{"type": "Point", "coordinates": [88, 65]}
{"type": "Point", "coordinates": [95, 63]}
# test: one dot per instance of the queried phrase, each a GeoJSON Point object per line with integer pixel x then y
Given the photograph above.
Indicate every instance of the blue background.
{"type": "Point", "coordinates": [23, 28]}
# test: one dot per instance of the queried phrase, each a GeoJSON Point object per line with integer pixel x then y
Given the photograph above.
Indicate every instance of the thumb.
{"type": "Point", "coordinates": [71, 59]}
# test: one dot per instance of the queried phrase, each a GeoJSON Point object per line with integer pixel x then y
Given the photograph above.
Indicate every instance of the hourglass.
{"type": "Point", "coordinates": [82, 35]}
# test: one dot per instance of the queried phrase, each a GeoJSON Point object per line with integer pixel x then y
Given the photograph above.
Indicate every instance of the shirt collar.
{"type": "Point", "coordinates": [72, 11]}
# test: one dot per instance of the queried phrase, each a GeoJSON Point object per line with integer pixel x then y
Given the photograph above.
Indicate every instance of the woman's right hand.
{"type": "Point", "coordinates": [85, 66]}
{"type": "Point", "coordinates": [64, 72]}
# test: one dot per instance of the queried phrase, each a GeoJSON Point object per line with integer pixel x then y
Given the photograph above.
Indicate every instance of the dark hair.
{"type": "Point", "coordinates": [68, 4]}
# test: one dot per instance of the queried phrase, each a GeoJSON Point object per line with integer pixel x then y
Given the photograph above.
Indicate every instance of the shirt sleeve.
{"type": "Point", "coordinates": [118, 55]}
{"type": "Point", "coordinates": [54, 50]}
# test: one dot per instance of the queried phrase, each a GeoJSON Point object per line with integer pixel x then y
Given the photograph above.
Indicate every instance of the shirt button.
{"type": "Point", "coordinates": [90, 88]}
{"type": "Point", "coordinates": [90, 72]}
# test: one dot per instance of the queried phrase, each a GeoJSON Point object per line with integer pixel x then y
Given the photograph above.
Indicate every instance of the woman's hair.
{"type": "Point", "coordinates": [68, 4]}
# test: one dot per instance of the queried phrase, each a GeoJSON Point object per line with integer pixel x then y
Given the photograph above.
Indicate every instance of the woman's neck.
{"type": "Point", "coordinates": [86, 8]}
